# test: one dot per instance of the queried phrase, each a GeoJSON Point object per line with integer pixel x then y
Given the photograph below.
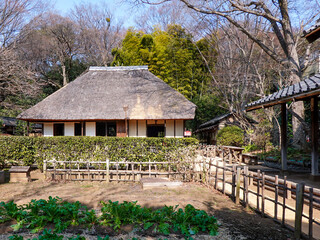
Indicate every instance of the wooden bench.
{"type": "Point", "coordinates": [249, 159]}
{"type": "Point", "coordinates": [20, 174]}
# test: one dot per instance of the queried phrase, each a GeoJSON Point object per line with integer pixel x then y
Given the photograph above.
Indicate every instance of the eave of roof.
{"type": "Point", "coordinates": [296, 92]}
{"type": "Point", "coordinates": [8, 121]}
{"type": "Point", "coordinates": [312, 33]}
{"type": "Point", "coordinates": [214, 121]}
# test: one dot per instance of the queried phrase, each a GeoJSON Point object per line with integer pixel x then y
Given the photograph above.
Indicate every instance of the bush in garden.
{"type": "Point", "coordinates": [16, 150]}
{"type": "Point", "coordinates": [230, 136]}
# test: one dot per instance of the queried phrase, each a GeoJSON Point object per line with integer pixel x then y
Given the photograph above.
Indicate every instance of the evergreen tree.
{"type": "Point", "coordinates": [171, 55]}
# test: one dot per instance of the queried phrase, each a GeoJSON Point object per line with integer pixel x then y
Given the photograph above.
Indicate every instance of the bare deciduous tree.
{"type": "Point", "coordinates": [277, 14]}
{"type": "Point", "coordinates": [162, 16]}
{"type": "Point", "coordinates": [15, 77]}
{"type": "Point", "coordinates": [99, 32]}
{"type": "Point", "coordinates": [51, 40]}
{"type": "Point", "coordinates": [13, 17]}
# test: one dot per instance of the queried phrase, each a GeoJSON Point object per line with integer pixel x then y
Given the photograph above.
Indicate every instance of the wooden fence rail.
{"type": "Point", "coordinates": [271, 196]}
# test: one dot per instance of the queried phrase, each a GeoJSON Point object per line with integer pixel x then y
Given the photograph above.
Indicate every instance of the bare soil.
{"type": "Point", "coordinates": [236, 222]}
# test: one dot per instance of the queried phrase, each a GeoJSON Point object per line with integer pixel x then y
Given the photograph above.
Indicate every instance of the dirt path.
{"type": "Point", "coordinates": [236, 222]}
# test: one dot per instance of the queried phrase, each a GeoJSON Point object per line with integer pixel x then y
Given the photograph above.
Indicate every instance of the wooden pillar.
{"type": "Point", "coordinates": [82, 128]}
{"type": "Point", "coordinates": [314, 136]}
{"type": "Point", "coordinates": [127, 127]}
{"type": "Point", "coordinates": [137, 128]}
{"type": "Point", "coordinates": [28, 128]}
{"type": "Point", "coordinates": [125, 109]}
{"type": "Point", "coordinates": [284, 145]}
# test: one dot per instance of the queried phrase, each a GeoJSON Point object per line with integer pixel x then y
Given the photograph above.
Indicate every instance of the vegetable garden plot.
{"type": "Point", "coordinates": [60, 215]}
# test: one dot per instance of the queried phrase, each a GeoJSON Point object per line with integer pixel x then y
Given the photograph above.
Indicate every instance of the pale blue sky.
{"type": "Point", "coordinates": [122, 11]}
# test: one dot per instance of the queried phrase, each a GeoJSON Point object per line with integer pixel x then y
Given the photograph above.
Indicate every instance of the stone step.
{"type": "Point", "coordinates": [148, 183]}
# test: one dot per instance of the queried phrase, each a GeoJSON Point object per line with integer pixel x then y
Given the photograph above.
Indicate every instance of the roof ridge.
{"type": "Point", "coordinates": [118, 68]}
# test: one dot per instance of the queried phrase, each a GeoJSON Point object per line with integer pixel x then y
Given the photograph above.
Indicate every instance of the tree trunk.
{"type": "Point", "coordinates": [297, 127]}
{"type": "Point", "coordinates": [295, 73]}
{"type": "Point", "coordinates": [64, 75]}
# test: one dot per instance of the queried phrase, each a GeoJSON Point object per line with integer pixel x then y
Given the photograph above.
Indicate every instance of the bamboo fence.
{"type": "Point", "coordinates": [252, 189]}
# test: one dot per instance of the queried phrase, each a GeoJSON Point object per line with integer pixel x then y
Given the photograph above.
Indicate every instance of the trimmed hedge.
{"type": "Point", "coordinates": [230, 136]}
{"type": "Point", "coordinates": [16, 150]}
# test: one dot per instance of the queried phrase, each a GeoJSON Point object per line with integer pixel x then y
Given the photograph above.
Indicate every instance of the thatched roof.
{"type": "Point", "coordinates": [104, 92]}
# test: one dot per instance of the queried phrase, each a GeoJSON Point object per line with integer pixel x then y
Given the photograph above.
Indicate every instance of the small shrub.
{"type": "Point", "coordinates": [230, 136]}
{"type": "Point", "coordinates": [251, 148]}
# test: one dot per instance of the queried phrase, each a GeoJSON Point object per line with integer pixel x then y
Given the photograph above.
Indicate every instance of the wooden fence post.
{"type": "Point", "coordinates": [65, 172]}
{"type": "Point", "coordinates": [238, 185]}
{"type": "Point", "coordinates": [70, 172]}
{"type": "Point", "coordinates": [216, 176]}
{"type": "Point", "coordinates": [108, 170]}
{"type": "Point", "coordinates": [132, 172]}
{"type": "Point", "coordinates": [233, 182]}
{"type": "Point", "coordinates": [205, 170]}
{"type": "Point", "coordinates": [45, 168]}
{"type": "Point", "coordinates": [79, 175]}
{"type": "Point", "coordinates": [210, 166]}
{"type": "Point", "coordinates": [54, 167]}
{"type": "Point", "coordinates": [284, 200]}
{"type": "Point", "coordinates": [88, 169]}
{"type": "Point", "coordinates": [276, 192]}
{"type": "Point", "coordinates": [224, 178]}
{"type": "Point", "coordinates": [222, 151]}
{"type": "Point", "coordinates": [140, 174]}
{"type": "Point", "coordinates": [258, 190]}
{"type": "Point", "coordinates": [117, 168]}
{"type": "Point", "coordinates": [193, 169]}
{"type": "Point", "coordinates": [310, 213]}
{"type": "Point", "coordinates": [289, 193]}
{"type": "Point", "coordinates": [262, 194]}
{"type": "Point", "coordinates": [246, 187]}
{"type": "Point", "coordinates": [299, 210]}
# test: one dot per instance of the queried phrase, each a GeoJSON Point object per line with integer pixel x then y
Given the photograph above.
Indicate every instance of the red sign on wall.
{"type": "Point", "coordinates": [187, 133]}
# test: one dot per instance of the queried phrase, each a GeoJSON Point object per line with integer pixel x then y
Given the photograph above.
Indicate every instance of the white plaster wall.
{"type": "Point", "coordinates": [48, 129]}
{"type": "Point", "coordinates": [170, 128]}
{"type": "Point", "coordinates": [132, 128]}
{"type": "Point", "coordinates": [179, 128]}
{"type": "Point", "coordinates": [142, 128]}
{"type": "Point", "coordinates": [69, 129]}
{"type": "Point", "coordinates": [90, 129]}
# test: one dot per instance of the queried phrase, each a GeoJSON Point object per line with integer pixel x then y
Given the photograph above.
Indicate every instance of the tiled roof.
{"type": "Point", "coordinates": [308, 87]}
{"type": "Point", "coordinates": [214, 121]}
{"type": "Point", "coordinates": [312, 33]}
{"type": "Point", "coordinates": [8, 121]}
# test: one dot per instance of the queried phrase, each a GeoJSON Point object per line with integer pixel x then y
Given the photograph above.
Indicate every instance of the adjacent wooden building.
{"type": "Point", "coordinates": [207, 132]}
{"type": "Point", "coordinates": [309, 89]}
{"type": "Point", "coordinates": [113, 101]}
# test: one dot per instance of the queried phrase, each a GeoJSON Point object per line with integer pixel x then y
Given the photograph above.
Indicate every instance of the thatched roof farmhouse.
{"type": "Point", "coordinates": [113, 101]}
